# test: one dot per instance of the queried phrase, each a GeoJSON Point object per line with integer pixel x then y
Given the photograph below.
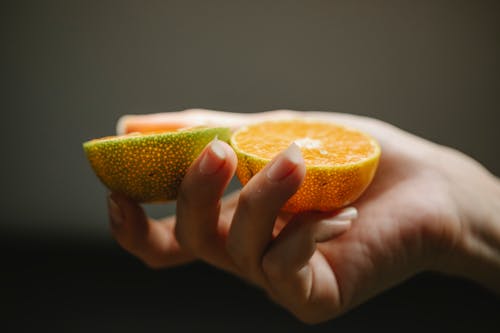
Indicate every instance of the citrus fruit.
{"type": "Point", "coordinates": [149, 167]}
{"type": "Point", "coordinates": [340, 161]}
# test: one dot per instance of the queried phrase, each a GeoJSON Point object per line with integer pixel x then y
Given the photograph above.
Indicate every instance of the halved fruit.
{"type": "Point", "coordinates": [340, 161]}
{"type": "Point", "coordinates": [149, 167]}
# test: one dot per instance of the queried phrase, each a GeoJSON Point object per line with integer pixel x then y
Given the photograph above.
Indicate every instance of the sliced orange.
{"type": "Point", "coordinates": [340, 161]}
{"type": "Point", "coordinates": [149, 167]}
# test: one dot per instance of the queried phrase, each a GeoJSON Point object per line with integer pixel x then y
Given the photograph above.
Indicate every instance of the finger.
{"type": "Point", "coordinates": [199, 201]}
{"type": "Point", "coordinates": [175, 120]}
{"type": "Point", "coordinates": [151, 241]}
{"type": "Point", "coordinates": [292, 266]}
{"type": "Point", "coordinates": [259, 204]}
{"type": "Point", "coordinates": [195, 117]}
{"type": "Point", "coordinates": [297, 241]}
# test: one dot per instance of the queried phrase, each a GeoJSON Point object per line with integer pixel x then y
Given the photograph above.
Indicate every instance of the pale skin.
{"type": "Point", "coordinates": [429, 208]}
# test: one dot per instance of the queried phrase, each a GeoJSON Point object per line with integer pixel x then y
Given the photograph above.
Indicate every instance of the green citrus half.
{"type": "Point", "coordinates": [149, 167]}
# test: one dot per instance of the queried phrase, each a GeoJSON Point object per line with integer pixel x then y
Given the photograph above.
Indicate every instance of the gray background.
{"type": "Point", "coordinates": [69, 69]}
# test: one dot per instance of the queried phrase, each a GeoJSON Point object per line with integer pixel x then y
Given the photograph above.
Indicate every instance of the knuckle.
{"type": "Point", "coordinates": [247, 201]}
{"type": "Point", "coordinates": [128, 243]}
{"type": "Point", "coordinates": [182, 237]}
{"type": "Point", "coordinates": [191, 196]}
{"type": "Point", "coordinates": [272, 269]}
{"type": "Point", "coordinates": [242, 259]}
{"type": "Point", "coordinates": [193, 242]}
{"type": "Point", "coordinates": [231, 246]}
{"type": "Point", "coordinates": [184, 193]}
{"type": "Point", "coordinates": [235, 251]}
{"type": "Point", "coordinates": [197, 245]}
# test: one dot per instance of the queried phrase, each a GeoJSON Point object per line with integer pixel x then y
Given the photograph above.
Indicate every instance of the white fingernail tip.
{"type": "Point", "coordinates": [331, 228]}
{"type": "Point", "coordinates": [285, 163]}
{"type": "Point", "coordinates": [217, 148]}
{"type": "Point", "coordinates": [293, 153]}
{"type": "Point", "coordinates": [348, 213]}
{"type": "Point", "coordinates": [213, 158]}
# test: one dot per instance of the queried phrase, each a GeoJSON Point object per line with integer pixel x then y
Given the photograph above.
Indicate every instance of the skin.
{"type": "Point", "coordinates": [428, 208]}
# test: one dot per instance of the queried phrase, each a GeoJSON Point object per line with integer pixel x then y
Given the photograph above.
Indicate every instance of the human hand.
{"type": "Point", "coordinates": [428, 208]}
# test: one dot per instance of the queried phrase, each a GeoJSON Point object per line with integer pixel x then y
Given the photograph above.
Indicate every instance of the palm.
{"type": "Point", "coordinates": [401, 223]}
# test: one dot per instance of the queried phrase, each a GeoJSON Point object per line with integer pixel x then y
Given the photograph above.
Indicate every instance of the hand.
{"type": "Point", "coordinates": [428, 208]}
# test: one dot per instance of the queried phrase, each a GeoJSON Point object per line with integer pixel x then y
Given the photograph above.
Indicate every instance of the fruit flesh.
{"type": "Point", "coordinates": [340, 162]}
{"type": "Point", "coordinates": [148, 167]}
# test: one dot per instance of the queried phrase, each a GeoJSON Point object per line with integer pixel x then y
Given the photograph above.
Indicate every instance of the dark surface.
{"type": "Point", "coordinates": [70, 287]}
{"type": "Point", "coordinates": [69, 69]}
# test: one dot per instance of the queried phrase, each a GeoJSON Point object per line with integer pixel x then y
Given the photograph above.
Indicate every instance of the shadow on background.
{"type": "Point", "coordinates": [69, 69]}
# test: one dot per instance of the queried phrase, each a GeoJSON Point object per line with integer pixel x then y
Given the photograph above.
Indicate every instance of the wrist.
{"type": "Point", "coordinates": [476, 255]}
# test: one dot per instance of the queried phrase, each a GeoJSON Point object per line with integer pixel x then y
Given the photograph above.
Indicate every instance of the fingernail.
{"type": "Point", "coordinates": [348, 213]}
{"type": "Point", "coordinates": [213, 158]}
{"type": "Point", "coordinates": [285, 163]}
{"type": "Point", "coordinates": [115, 212]}
{"type": "Point", "coordinates": [331, 228]}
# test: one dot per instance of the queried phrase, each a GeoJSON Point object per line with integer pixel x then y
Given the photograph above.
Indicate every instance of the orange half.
{"type": "Point", "coordinates": [340, 161]}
